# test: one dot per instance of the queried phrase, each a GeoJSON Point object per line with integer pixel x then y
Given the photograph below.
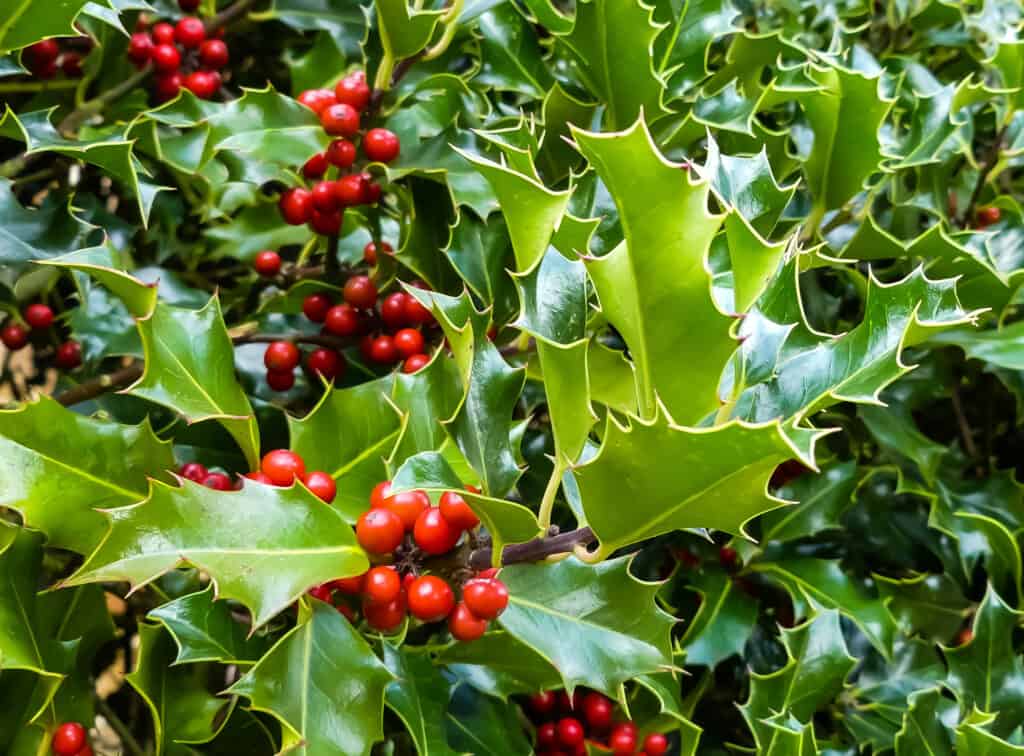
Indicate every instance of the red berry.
{"type": "Point", "coordinates": [328, 224]}
{"type": "Point", "coordinates": [194, 471]}
{"type": "Point", "coordinates": [86, 751]}
{"type": "Point", "coordinates": [267, 263]}
{"type": "Point", "coordinates": [69, 355]}
{"type": "Point", "coordinates": [322, 485]}
{"type": "Point", "coordinates": [360, 292]}
{"type": "Point", "coordinates": [430, 599]}
{"type": "Point", "coordinates": [321, 592]}
{"type": "Point", "coordinates": [371, 190]}
{"type": "Point", "coordinates": [383, 351]}
{"type": "Point", "coordinates": [455, 509]}
{"type": "Point", "coordinates": [381, 145]}
{"type": "Point", "coordinates": [547, 735]}
{"type": "Point", "coordinates": [342, 320]}
{"type": "Point", "coordinates": [623, 739]}
{"type": "Point", "coordinates": [42, 58]}
{"type": "Point", "coordinates": [281, 380]}
{"type": "Point", "coordinates": [203, 84]}
{"type": "Point", "coordinates": [140, 48]}
{"type": "Point", "coordinates": [324, 198]}
{"type": "Point", "coordinates": [315, 306]}
{"type": "Point", "coordinates": [392, 309]}
{"type": "Point", "coordinates": [39, 316]}
{"type": "Point", "coordinates": [316, 166]}
{"type": "Point", "coordinates": [464, 625]}
{"type": "Point", "coordinates": [188, 5]}
{"type": "Point", "coordinates": [382, 585]}
{"type": "Point", "coordinates": [542, 703]}
{"type": "Point", "coordinates": [217, 481]}
{"type": "Point", "coordinates": [282, 466]}
{"type": "Point", "coordinates": [964, 637]}
{"type": "Point", "coordinates": [317, 100]}
{"type": "Point", "coordinates": [341, 153]}
{"type": "Point", "coordinates": [408, 342]}
{"type": "Point", "coordinates": [68, 739]}
{"type": "Point", "coordinates": [597, 710]}
{"type": "Point", "coordinates": [189, 32]}
{"type": "Point", "coordinates": [433, 533]}
{"type": "Point", "coordinates": [259, 477]}
{"type": "Point", "coordinates": [370, 252]}
{"type": "Point", "coordinates": [281, 355]}
{"type": "Point", "coordinates": [415, 313]}
{"type": "Point", "coordinates": [71, 65]}
{"type": "Point", "coordinates": [326, 362]}
{"type": "Point", "coordinates": [488, 573]}
{"type": "Point", "coordinates": [728, 557]}
{"type": "Point", "coordinates": [385, 617]}
{"type": "Point", "coordinates": [352, 586]}
{"type": "Point", "coordinates": [340, 120]}
{"type": "Point", "coordinates": [415, 363]}
{"type": "Point", "coordinates": [213, 53]}
{"type": "Point", "coordinates": [296, 206]}
{"type": "Point", "coordinates": [163, 33]}
{"type": "Point", "coordinates": [350, 190]}
{"type": "Point", "coordinates": [986, 216]}
{"type": "Point", "coordinates": [379, 494]}
{"type": "Point", "coordinates": [167, 85]}
{"type": "Point", "coordinates": [408, 505]}
{"type": "Point", "coordinates": [655, 744]}
{"type": "Point", "coordinates": [353, 91]}
{"type": "Point", "coordinates": [570, 731]}
{"type": "Point", "coordinates": [487, 598]}
{"type": "Point", "coordinates": [379, 531]}
{"type": "Point", "coordinates": [166, 58]}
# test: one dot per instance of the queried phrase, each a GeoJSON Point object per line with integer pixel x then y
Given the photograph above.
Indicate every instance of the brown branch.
{"type": "Point", "coordinates": [101, 384]}
{"type": "Point", "coordinates": [533, 551]}
{"type": "Point", "coordinates": [986, 167]}
{"type": "Point", "coordinates": [228, 15]}
{"type": "Point", "coordinates": [400, 70]}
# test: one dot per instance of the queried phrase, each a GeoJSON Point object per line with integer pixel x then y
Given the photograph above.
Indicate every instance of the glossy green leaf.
{"type": "Point", "coordinates": [499, 665]}
{"type": "Point", "coordinates": [25, 23]}
{"type": "Point", "coordinates": [105, 264]}
{"type": "Point", "coordinates": [418, 694]}
{"type": "Point", "coordinates": [723, 623]}
{"type": "Point", "coordinates": [932, 605]}
{"type": "Point", "coordinates": [973, 737]}
{"type": "Point", "coordinates": [926, 725]}
{"type": "Point", "coordinates": [820, 500]}
{"type": "Point", "coordinates": [404, 32]}
{"type": "Point", "coordinates": [344, 23]}
{"type": "Point", "coordinates": [479, 724]}
{"type": "Point", "coordinates": [204, 629]}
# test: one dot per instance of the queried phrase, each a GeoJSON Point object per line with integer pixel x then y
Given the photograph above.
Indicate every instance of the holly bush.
{"type": "Point", "coordinates": [511, 376]}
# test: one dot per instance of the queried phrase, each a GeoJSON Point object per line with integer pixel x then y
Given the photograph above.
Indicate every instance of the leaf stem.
{"type": "Point", "coordinates": [450, 21]}
{"type": "Point", "coordinates": [547, 503]}
{"type": "Point", "coordinates": [37, 86]}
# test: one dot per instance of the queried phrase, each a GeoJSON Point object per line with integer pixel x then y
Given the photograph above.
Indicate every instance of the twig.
{"type": "Point", "coordinates": [986, 167]}
{"type": "Point", "coordinates": [228, 15]}
{"type": "Point", "coordinates": [94, 106]}
{"type": "Point", "coordinates": [965, 430]}
{"type": "Point", "coordinates": [331, 342]}
{"type": "Point", "coordinates": [533, 551]}
{"type": "Point", "coordinates": [128, 740]}
{"type": "Point", "coordinates": [400, 70]}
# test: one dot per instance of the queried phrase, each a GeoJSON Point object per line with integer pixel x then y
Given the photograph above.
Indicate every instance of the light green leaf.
{"type": "Point", "coordinates": [105, 264]}
{"type": "Point", "coordinates": [404, 33]}
{"type": "Point", "coordinates": [25, 22]}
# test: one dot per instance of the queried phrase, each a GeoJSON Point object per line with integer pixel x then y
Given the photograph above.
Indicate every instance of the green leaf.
{"type": "Point", "coordinates": [349, 434]}
{"type": "Point", "coordinates": [345, 24]}
{"type": "Point", "coordinates": [253, 230]}
{"type": "Point", "coordinates": [426, 399]}
{"type": "Point", "coordinates": [499, 665]}
{"type": "Point", "coordinates": [323, 683]}
{"type": "Point", "coordinates": [930, 605]}
{"type": "Point", "coordinates": [986, 673]}
{"type": "Point", "coordinates": [511, 55]}
{"type": "Point", "coordinates": [1002, 347]}
{"type": "Point", "coordinates": [480, 724]}
{"type": "Point", "coordinates": [190, 369]}
{"type": "Point", "coordinates": [183, 710]}
{"type": "Point", "coordinates": [205, 630]}
{"type": "Point", "coordinates": [291, 541]}
{"type": "Point", "coordinates": [403, 34]}
{"type": "Point", "coordinates": [612, 43]}
{"type": "Point", "coordinates": [482, 256]}
{"type": "Point", "coordinates": [893, 427]}
{"type": "Point", "coordinates": [815, 671]}
{"type": "Point", "coordinates": [972, 737]}
{"type": "Point", "coordinates": [926, 725]}
{"type": "Point", "coordinates": [105, 264]}
{"type": "Point", "coordinates": [57, 468]}
{"type": "Point", "coordinates": [25, 22]}
{"type": "Point", "coordinates": [697, 24]}
{"type": "Point", "coordinates": [597, 625]}
{"type": "Point", "coordinates": [723, 623]}
{"type": "Point", "coordinates": [660, 272]}
{"type": "Point", "coordinates": [748, 185]}
{"type": "Point", "coordinates": [418, 694]}
{"type": "Point", "coordinates": [820, 501]}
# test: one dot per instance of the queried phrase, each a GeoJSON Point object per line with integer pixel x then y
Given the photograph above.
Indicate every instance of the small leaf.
{"type": "Point", "coordinates": [723, 623]}
{"type": "Point", "coordinates": [418, 695]}
{"type": "Point", "coordinates": [403, 34]}
{"type": "Point", "coordinates": [926, 725]}
{"type": "Point", "coordinates": [205, 630]}
{"type": "Point", "coordinates": [479, 724]}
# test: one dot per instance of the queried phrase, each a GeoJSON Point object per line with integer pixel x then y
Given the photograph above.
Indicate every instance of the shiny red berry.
{"type": "Point", "coordinates": [342, 320]}
{"type": "Point", "coordinates": [213, 53]}
{"type": "Point", "coordinates": [194, 471]}
{"type": "Point", "coordinates": [382, 585]}
{"type": "Point", "coordinates": [326, 362]}
{"type": "Point", "coordinates": [317, 100]}
{"type": "Point", "coordinates": [68, 739]}
{"type": "Point", "coordinates": [382, 350]}
{"type": "Point", "coordinates": [203, 84]}
{"type": "Point", "coordinates": [322, 485]}
{"type": "Point", "coordinates": [570, 731]}
{"type": "Point", "coordinates": [38, 316]}
{"type": "Point", "coordinates": [350, 190]}
{"type": "Point", "coordinates": [542, 703]}
{"type": "Point", "coordinates": [986, 216]}
{"type": "Point", "coordinates": [69, 355]}
{"type": "Point", "coordinates": [464, 625]}
{"type": "Point", "coordinates": [41, 58]}
{"type": "Point", "coordinates": [341, 153]}
{"type": "Point", "coordinates": [167, 85]}
{"type": "Point", "coordinates": [217, 481]}
{"type": "Point", "coordinates": [415, 363]}
{"type": "Point", "coordinates": [316, 166]}
{"type": "Point", "coordinates": [282, 466]}
{"type": "Point", "coordinates": [408, 341]}
{"type": "Point", "coordinates": [189, 32]}
{"type": "Point", "coordinates": [324, 198]}
{"type": "Point", "coordinates": [326, 223]}
{"type": "Point", "coordinates": [340, 120]}
{"type": "Point", "coordinates": [371, 190]}
{"type": "Point", "coordinates": [370, 251]}
{"type": "Point", "coordinates": [280, 380]}
{"type": "Point", "coordinates": [597, 711]}
{"type": "Point", "coordinates": [352, 586]}
{"type": "Point", "coordinates": [486, 598]}
{"type": "Point", "coordinates": [71, 65]}
{"type": "Point", "coordinates": [623, 739]}
{"type": "Point", "coordinates": [433, 533]}
{"type": "Point", "coordinates": [379, 531]}
{"type": "Point", "coordinates": [315, 306]}
{"type": "Point", "coordinates": [296, 206]}
{"type": "Point", "coordinates": [360, 292]}
{"type": "Point", "coordinates": [415, 313]}
{"type": "Point", "coordinates": [353, 91]}
{"type": "Point", "coordinates": [140, 48]}
{"type": "Point", "coordinates": [456, 511]}
{"type": "Point", "coordinates": [728, 557]}
{"type": "Point", "coordinates": [281, 355]}
{"type": "Point", "coordinates": [393, 309]}
{"type": "Point", "coordinates": [166, 58]}
{"type": "Point", "coordinates": [655, 744]}
{"type": "Point", "coordinates": [163, 33]}
{"type": "Point", "coordinates": [547, 735]}
{"type": "Point", "coordinates": [430, 598]}
{"type": "Point", "coordinates": [385, 617]}
{"type": "Point", "coordinates": [381, 145]}
{"type": "Point", "coordinates": [321, 592]}
{"type": "Point", "coordinates": [380, 494]}
{"type": "Point", "coordinates": [267, 263]}
{"type": "Point", "coordinates": [408, 505]}
{"type": "Point", "coordinates": [488, 573]}
{"type": "Point", "coordinates": [259, 477]}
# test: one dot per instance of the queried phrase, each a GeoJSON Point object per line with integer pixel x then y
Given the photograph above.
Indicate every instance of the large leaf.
{"type": "Point", "coordinates": [480, 724]}
{"type": "Point", "coordinates": [723, 623]}
{"type": "Point", "coordinates": [57, 468]}
{"type": "Point", "coordinates": [324, 683]}
{"type": "Point", "coordinates": [404, 32]}
{"type": "Point", "coordinates": [26, 22]}
{"type": "Point", "coordinates": [597, 625]}
{"type": "Point", "coordinates": [499, 665]}
{"type": "Point", "coordinates": [290, 542]}
{"type": "Point", "coordinates": [926, 725]}
{"type": "Point", "coordinates": [190, 368]}
{"type": "Point", "coordinates": [418, 694]}
{"type": "Point", "coordinates": [205, 629]}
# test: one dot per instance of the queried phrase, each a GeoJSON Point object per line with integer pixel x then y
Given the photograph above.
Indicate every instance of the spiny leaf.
{"type": "Point", "coordinates": [723, 623]}
{"type": "Point", "coordinates": [418, 694]}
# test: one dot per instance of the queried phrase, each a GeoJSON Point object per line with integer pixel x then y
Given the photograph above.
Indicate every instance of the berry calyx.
{"type": "Point", "coordinates": [455, 509]}
{"type": "Point", "coordinates": [340, 120]}
{"type": "Point", "coordinates": [282, 467]}
{"type": "Point", "coordinates": [381, 145]}
{"type": "Point", "coordinates": [393, 308]}
{"type": "Point", "coordinates": [655, 744]}
{"type": "Point", "coordinates": [217, 481]}
{"type": "Point", "coordinates": [166, 58]}
{"type": "Point", "coordinates": [194, 471]}
{"type": "Point", "coordinates": [326, 363]}
{"type": "Point", "coordinates": [316, 306]}
{"type": "Point", "coordinates": [433, 533]}
{"type": "Point", "coordinates": [321, 485]}
{"type": "Point", "coordinates": [316, 166]}
{"type": "Point", "coordinates": [267, 263]}
{"type": "Point", "coordinates": [416, 363]}
{"type": "Point", "coordinates": [342, 320]}
{"type": "Point", "coordinates": [69, 355]}
{"type": "Point", "coordinates": [408, 505]}
{"type": "Point", "coordinates": [317, 100]}
{"type": "Point", "coordinates": [167, 85]}
{"type": "Point", "coordinates": [281, 380]}
{"type": "Point", "coordinates": [39, 316]}
{"type": "Point", "coordinates": [383, 350]}
{"type": "Point", "coordinates": [379, 531]}
{"type": "Point", "coordinates": [464, 625]}
{"type": "Point", "coordinates": [353, 91]}
{"type": "Point", "coordinates": [360, 292]}
{"type": "Point", "coordinates": [341, 153]}
{"type": "Point", "coordinates": [370, 252]}
{"type": "Point", "coordinates": [213, 53]}
{"type": "Point", "coordinates": [570, 732]}
{"type": "Point", "coordinates": [189, 32]}
{"type": "Point", "coordinates": [430, 598]}
{"type": "Point", "coordinates": [385, 617]}
{"type": "Point", "coordinates": [487, 598]}
{"type": "Point", "coordinates": [140, 48]}
{"type": "Point", "coordinates": [382, 585]}
{"type": "Point", "coordinates": [281, 355]}
{"type": "Point", "coordinates": [68, 739]}
{"type": "Point", "coordinates": [163, 33]}
{"type": "Point", "coordinates": [296, 206]}
{"type": "Point", "coordinates": [408, 341]}
{"type": "Point", "coordinates": [379, 494]}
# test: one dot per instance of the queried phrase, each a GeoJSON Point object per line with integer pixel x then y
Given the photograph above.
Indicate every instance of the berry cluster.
{"type": "Point", "coordinates": [39, 317]}
{"type": "Point", "coordinates": [340, 110]}
{"type": "Point", "coordinates": [182, 56]}
{"type": "Point", "coordinates": [70, 740]}
{"type": "Point", "coordinates": [277, 468]}
{"type": "Point", "coordinates": [44, 58]}
{"type": "Point", "coordinates": [402, 525]}
{"type": "Point", "coordinates": [564, 725]}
